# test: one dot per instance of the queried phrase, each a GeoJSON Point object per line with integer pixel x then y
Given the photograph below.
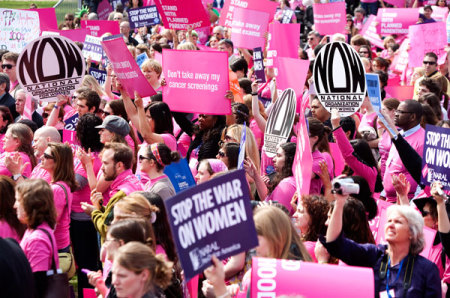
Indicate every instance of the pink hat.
{"type": "Point", "coordinates": [217, 165]}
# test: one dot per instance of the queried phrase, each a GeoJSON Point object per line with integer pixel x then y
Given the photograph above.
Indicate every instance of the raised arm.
{"type": "Point", "coordinates": [144, 126]}
{"type": "Point", "coordinates": [335, 225]}
{"type": "Point", "coordinates": [130, 108]}
{"type": "Point", "coordinates": [260, 121]}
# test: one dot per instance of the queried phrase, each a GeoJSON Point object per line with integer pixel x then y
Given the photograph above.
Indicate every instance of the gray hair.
{"type": "Point", "coordinates": [4, 78]}
{"type": "Point", "coordinates": [220, 28]}
{"type": "Point", "coordinates": [415, 223]}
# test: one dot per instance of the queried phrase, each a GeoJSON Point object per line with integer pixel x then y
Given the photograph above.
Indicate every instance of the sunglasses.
{"type": "Point", "coordinates": [142, 157]}
{"type": "Point", "coordinates": [106, 113]}
{"type": "Point", "coordinates": [44, 115]}
{"type": "Point", "coordinates": [221, 154]}
{"type": "Point", "coordinates": [429, 62]}
{"type": "Point", "coordinates": [48, 156]}
{"type": "Point", "coordinates": [8, 66]}
{"type": "Point", "coordinates": [425, 213]}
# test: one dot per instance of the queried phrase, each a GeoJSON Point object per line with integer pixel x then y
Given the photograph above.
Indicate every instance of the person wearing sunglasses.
{"type": "Point", "coordinates": [430, 65]}
{"type": "Point", "coordinates": [9, 61]}
{"type": "Point", "coordinates": [153, 160]}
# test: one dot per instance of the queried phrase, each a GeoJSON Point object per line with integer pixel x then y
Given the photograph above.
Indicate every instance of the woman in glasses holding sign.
{"type": "Point", "coordinates": [399, 270]}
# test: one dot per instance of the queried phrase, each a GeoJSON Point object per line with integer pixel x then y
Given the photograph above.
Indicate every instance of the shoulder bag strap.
{"type": "Point", "coordinates": [53, 249]}
{"type": "Point", "coordinates": [66, 197]}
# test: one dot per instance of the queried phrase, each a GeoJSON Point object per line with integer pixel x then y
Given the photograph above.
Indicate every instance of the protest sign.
{"type": "Point", "coordinates": [241, 155]}
{"type": "Point", "coordinates": [280, 42]}
{"type": "Point", "coordinates": [98, 28]}
{"type": "Point", "coordinates": [303, 157]}
{"type": "Point", "coordinates": [400, 92]}
{"type": "Point", "coordinates": [69, 133]}
{"type": "Point", "coordinates": [126, 69]}
{"type": "Point", "coordinates": [289, 278]}
{"type": "Point", "coordinates": [280, 121]}
{"type": "Point", "coordinates": [235, 87]}
{"type": "Point", "coordinates": [143, 16]}
{"type": "Point", "coordinates": [373, 90]}
{"type": "Point", "coordinates": [47, 18]}
{"type": "Point", "coordinates": [17, 28]}
{"type": "Point", "coordinates": [287, 15]}
{"type": "Point", "coordinates": [99, 75]}
{"type": "Point", "coordinates": [141, 58]}
{"type": "Point", "coordinates": [424, 38]}
{"type": "Point", "coordinates": [192, 85]}
{"type": "Point", "coordinates": [73, 35]}
{"type": "Point", "coordinates": [227, 13]}
{"type": "Point", "coordinates": [369, 31]}
{"type": "Point", "coordinates": [213, 218]}
{"type": "Point", "coordinates": [258, 65]}
{"type": "Point", "coordinates": [104, 9]}
{"type": "Point", "coordinates": [401, 60]}
{"type": "Point", "coordinates": [93, 48]}
{"type": "Point", "coordinates": [448, 28]}
{"type": "Point", "coordinates": [436, 153]}
{"type": "Point", "coordinates": [329, 18]}
{"type": "Point", "coordinates": [439, 14]}
{"type": "Point", "coordinates": [396, 3]}
{"type": "Point", "coordinates": [374, 224]}
{"type": "Point", "coordinates": [339, 78]}
{"type": "Point", "coordinates": [49, 66]}
{"type": "Point", "coordinates": [179, 15]}
{"type": "Point", "coordinates": [180, 175]}
{"type": "Point", "coordinates": [397, 20]}
{"type": "Point", "coordinates": [248, 28]}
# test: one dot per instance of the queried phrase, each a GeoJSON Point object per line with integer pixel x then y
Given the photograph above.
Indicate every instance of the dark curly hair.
{"type": "Point", "coordinates": [87, 134]}
{"type": "Point", "coordinates": [289, 153]}
{"type": "Point", "coordinates": [317, 208]}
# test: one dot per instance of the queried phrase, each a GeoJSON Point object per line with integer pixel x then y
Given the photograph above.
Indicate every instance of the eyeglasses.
{"type": "Point", "coordinates": [425, 213]}
{"type": "Point", "coordinates": [310, 38]}
{"type": "Point", "coordinates": [8, 66]}
{"type": "Point", "coordinates": [221, 154]}
{"type": "Point", "coordinates": [106, 113]}
{"type": "Point", "coordinates": [429, 62]}
{"type": "Point", "coordinates": [44, 115]}
{"type": "Point", "coordinates": [402, 112]}
{"type": "Point", "coordinates": [48, 156]}
{"type": "Point", "coordinates": [142, 157]}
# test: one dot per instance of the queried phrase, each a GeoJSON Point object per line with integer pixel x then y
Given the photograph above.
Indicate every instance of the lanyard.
{"type": "Point", "coordinates": [396, 278]}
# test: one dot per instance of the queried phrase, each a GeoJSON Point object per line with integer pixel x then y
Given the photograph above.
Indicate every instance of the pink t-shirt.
{"type": "Point", "coordinates": [310, 246]}
{"type": "Point", "coordinates": [259, 135]}
{"type": "Point", "coordinates": [84, 194]}
{"type": "Point", "coordinates": [368, 120]}
{"type": "Point", "coordinates": [37, 247]}
{"type": "Point", "coordinates": [40, 173]}
{"type": "Point", "coordinates": [283, 193]}
{"type": "Point", "coordinates": [62, 214]}
{"type": "Point", "coordinates": [316, 182]}
{"type": "Point", "coordinates": [6, 231]}
{"type": "Point", "coordinates": [6, 172]}
{"type": "Point", "coordinates": [127, 182]}
{"type": "Point", "coordinates": [384, 146]}
{"type": "Point", "coordinates": [394, 164]}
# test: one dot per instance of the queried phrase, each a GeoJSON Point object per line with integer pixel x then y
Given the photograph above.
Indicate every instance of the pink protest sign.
{"type": "Point", "coordinates": [276, 278]}
{"type": "Point", "coordinates": [248, 28]}
{"type": "Point", "coordinates": [303, 156]}
{"type": "Point", "coordinates": [431, 37]}
{"type": "Point", "coordinates": [73, 35]}
{"type": "Point", "coordinates": [47, 18]}
{"type": "Point", "coordinates": [180, 14]}
{"type": "Point", "coordinates": [281, 43]}
{"type": "Point", "coordinates": [98, 28]}
{"type": "Point", "coordinates": [126, 68]}
{"type": "Point", "coordinates": [104, 9]}
{"type": "Point", "coordinates": [330, 18]}
{"type": "Point", "coordinates": [205, 48]}
{"type": "Point", "coordinates": [400, 92]}
{"type": "Point", "coordinates": [227, 13]}
{"type": "Point", "coordinates": [369, 31]}
{"type": "Point", "coordinates": [194, 86]}
{"type": "Point", "coordinates": [397, 20]}
{"type": "Point", "coordinates": [158, 57]}
{"type": "Point", "coordinates": [439, 13]}
{"type": "Point", "coordinates": [401, 60]}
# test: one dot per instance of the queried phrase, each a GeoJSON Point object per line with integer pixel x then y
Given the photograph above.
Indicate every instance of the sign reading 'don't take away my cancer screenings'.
{"type": "Point", "coordinates": [436, 156]}
{"type": "Point", "coordinates": [213, 218]}
{"type": "Point", "coordinates": [339, 78]}
{"type": "Point", "coordinates": [49, 66]}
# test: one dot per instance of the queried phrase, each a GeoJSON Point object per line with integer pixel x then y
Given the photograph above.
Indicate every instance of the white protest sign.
{"type": "Point", "coordinates": [17, 28]}
{"type": "Point", "coordinates": [280, 121]}
{"type": "Point", "coordinates": [49, 66]}
{"type": "Point", "coordinates": [93, 48]}
{"type": "Point", "coordinates": [339, 78]}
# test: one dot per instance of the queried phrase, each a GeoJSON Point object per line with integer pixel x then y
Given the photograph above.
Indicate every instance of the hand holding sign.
{"type": "Point", "coordinates": [335, 118]}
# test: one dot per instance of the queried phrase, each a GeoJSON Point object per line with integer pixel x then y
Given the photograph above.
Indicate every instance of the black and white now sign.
{"type": "Point", "coordinates": [280, 121]}
{"type": "Point", "coordinates": [339, 78]}
{"type": "Point", "coordinates": [49, 66]}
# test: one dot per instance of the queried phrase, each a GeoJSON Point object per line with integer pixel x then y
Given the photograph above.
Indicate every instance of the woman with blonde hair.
{"type": "Point", "coordinates": [187, 46]}
{"type": "Point", "coordinates": [91, 83]}
{"type": "Point", "coordinates": [233, 134]}
{"type": "Point", "coordinates": [152, 70]}
{"type": "Point", "coordinates": [17, 145]}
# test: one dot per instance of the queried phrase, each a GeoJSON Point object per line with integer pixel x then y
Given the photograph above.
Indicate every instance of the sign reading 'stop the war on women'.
{"type": "Point", "coordinates": [436, 156]}
{"type": "Point", "coordinates": [213, 218]}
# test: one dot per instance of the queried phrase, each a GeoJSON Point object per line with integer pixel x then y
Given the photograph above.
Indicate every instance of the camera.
{"type": "Point", "coordinates": [345, 186]}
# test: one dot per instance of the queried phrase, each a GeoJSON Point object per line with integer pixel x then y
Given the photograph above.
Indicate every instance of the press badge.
{"type": "Point", "coordinates": [384, 294]}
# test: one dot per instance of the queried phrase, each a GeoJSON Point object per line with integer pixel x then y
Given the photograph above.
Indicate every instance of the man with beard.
{"type": "Point", "coordinates": [117, 160]}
